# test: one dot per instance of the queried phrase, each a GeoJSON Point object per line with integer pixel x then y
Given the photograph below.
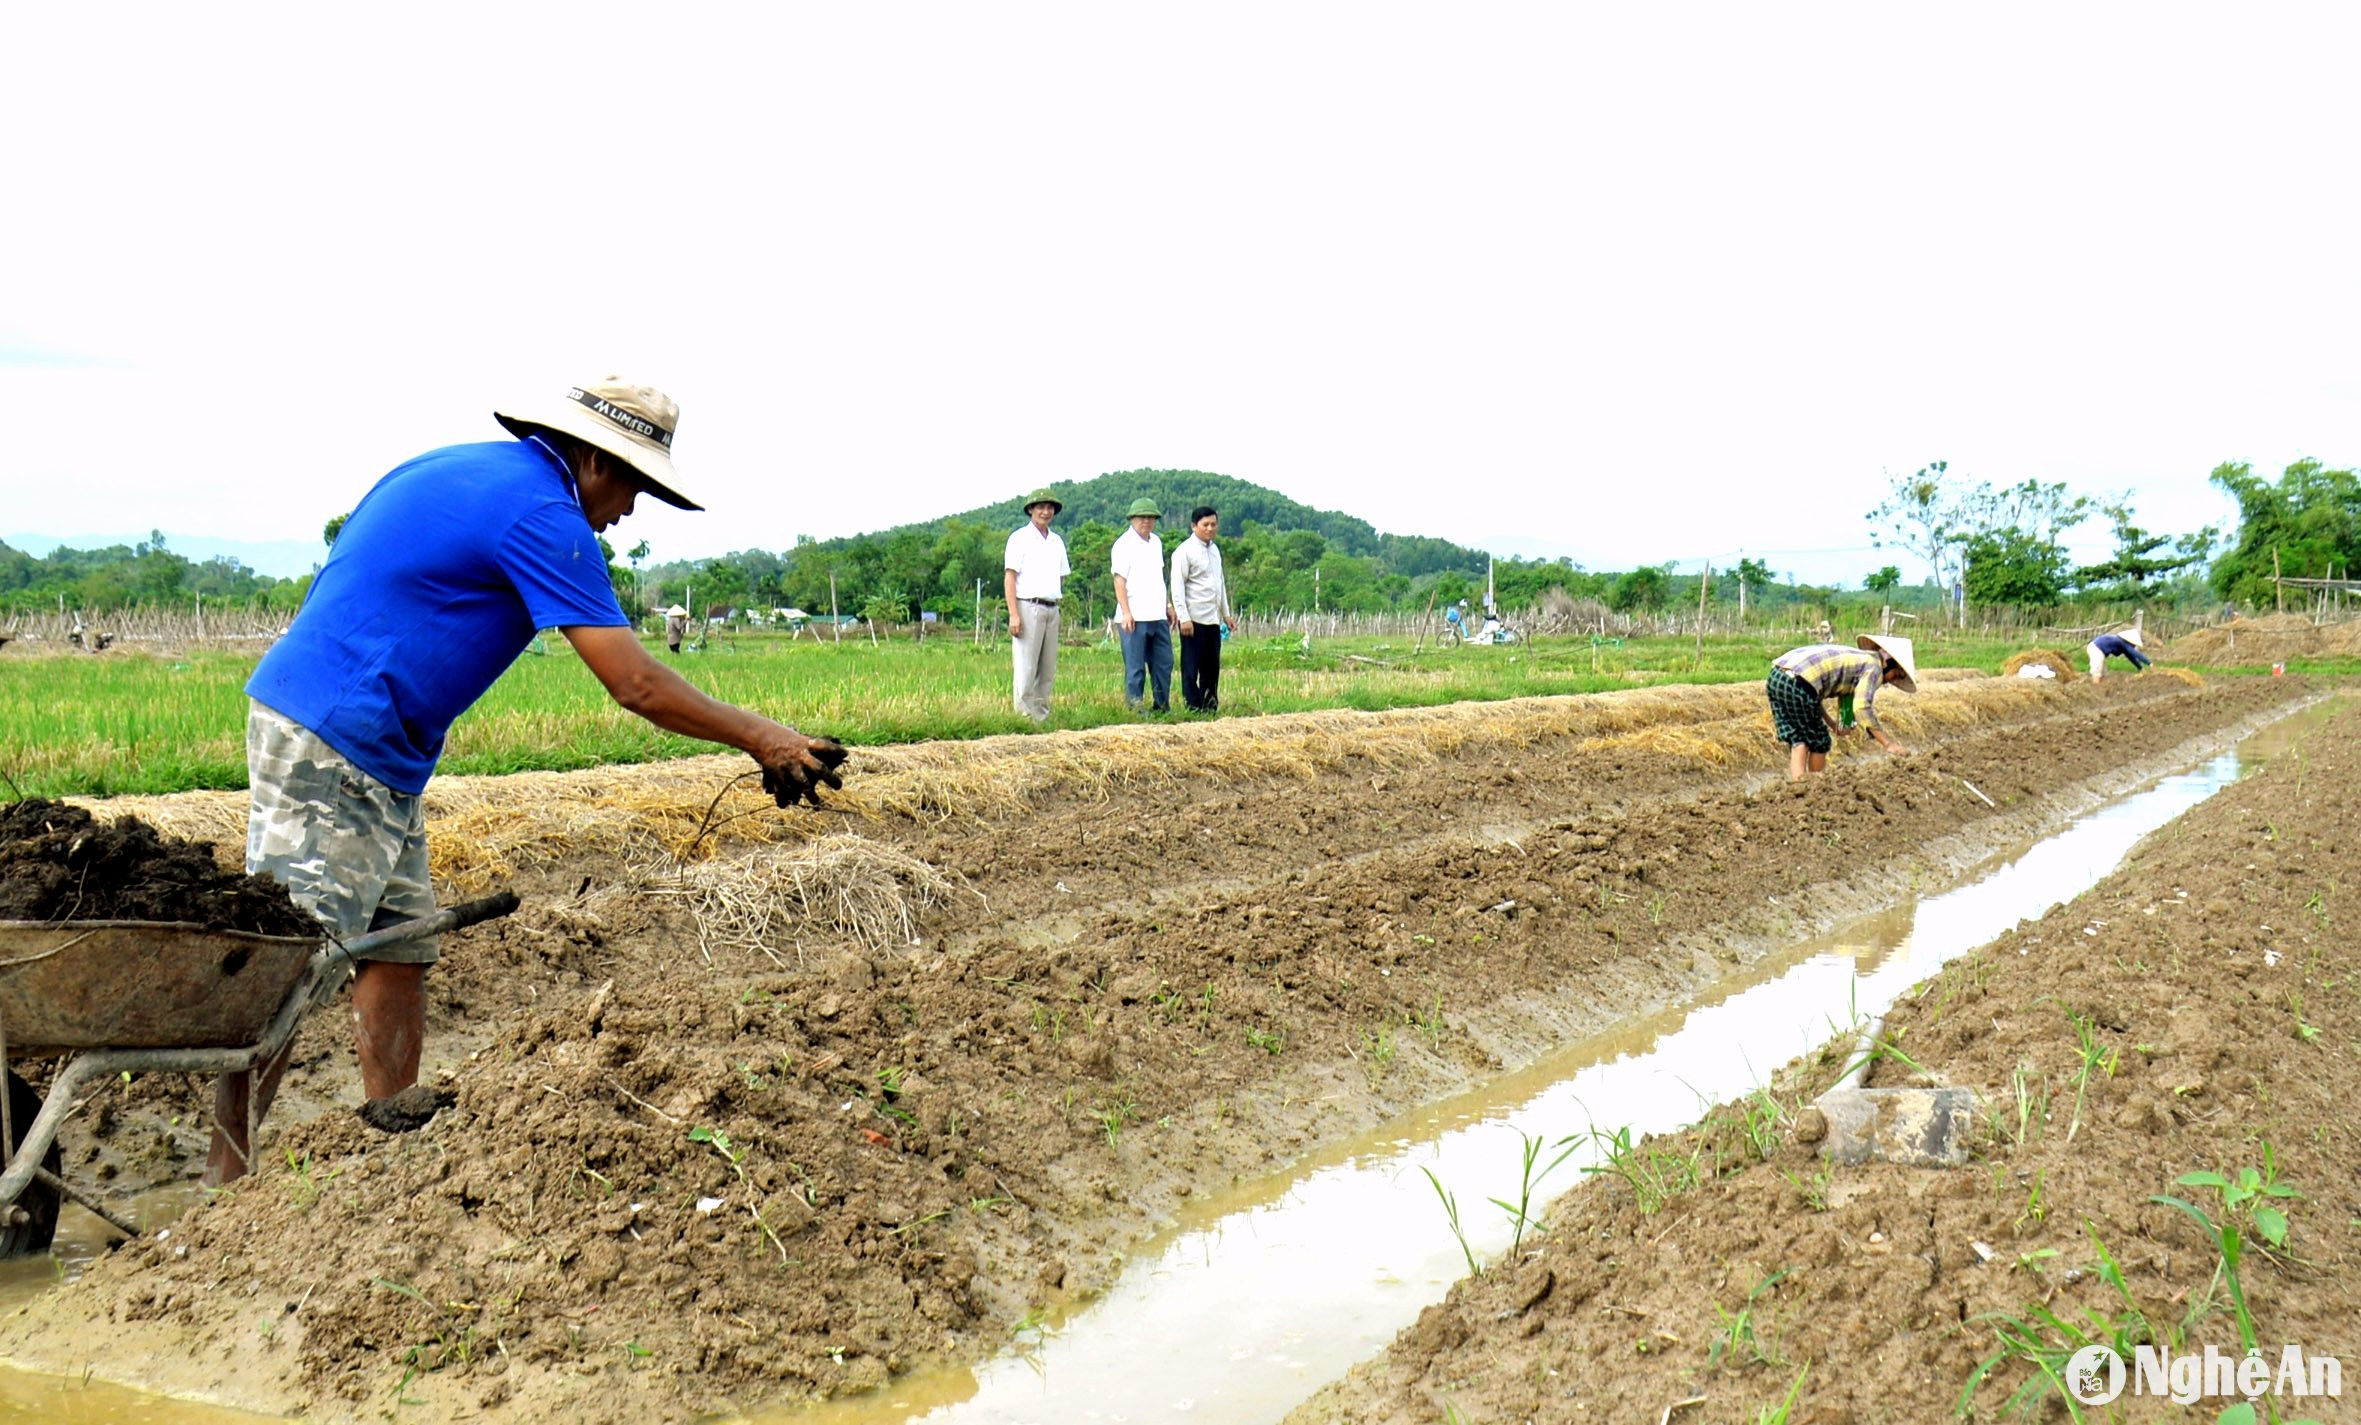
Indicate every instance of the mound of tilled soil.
{"type": "Point", "coordinates": [58, 862]}
{"type": "Point", "coordinates": [680, 1176]}
{"type": "Point", "coordinates": [2196, 1012]}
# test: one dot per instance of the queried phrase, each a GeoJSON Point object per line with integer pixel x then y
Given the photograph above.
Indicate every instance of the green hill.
{"type": "Point", "coordinates": [1105, 498]}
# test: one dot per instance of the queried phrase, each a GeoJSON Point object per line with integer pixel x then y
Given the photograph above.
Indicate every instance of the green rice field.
{"type": "Point", "coordinates": [128, 721]}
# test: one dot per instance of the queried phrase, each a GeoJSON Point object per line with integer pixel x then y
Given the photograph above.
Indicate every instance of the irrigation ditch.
{"type": "Point", "coordinates": [820, 1124]}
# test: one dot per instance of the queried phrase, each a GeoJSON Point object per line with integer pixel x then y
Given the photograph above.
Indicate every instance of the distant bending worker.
{"type": "Point", "coordinates": [2115, 645]}
{"type": "Point", "coordinates": [436, 583]}
{"type": "Point", "coordinates": [1803, 680]}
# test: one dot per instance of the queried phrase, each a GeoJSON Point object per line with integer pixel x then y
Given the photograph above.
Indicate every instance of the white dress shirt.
{"type": "Point", "coordinates": [1139, 563]}
{"type": "Point", "coordinates": [1039, 557]}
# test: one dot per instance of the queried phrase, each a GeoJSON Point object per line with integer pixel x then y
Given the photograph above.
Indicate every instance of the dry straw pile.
{"type": "Point", "coordinates": [2049, 658]}
{"type": "Point", "coordinates": [838, 884]}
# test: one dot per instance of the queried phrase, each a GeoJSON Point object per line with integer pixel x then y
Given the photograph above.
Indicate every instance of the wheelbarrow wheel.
{"type": "Point", "coordinates": [39, 1199]}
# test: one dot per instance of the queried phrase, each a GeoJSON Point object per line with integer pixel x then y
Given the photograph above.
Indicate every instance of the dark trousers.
{"type": "Point", "coordinates": [1147, 660]}
{"type": "Point", "coordinates": [1201, 667]}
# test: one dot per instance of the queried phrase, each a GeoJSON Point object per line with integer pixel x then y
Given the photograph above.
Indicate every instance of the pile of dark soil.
{"type": "Point", "coordinates": [57, 862]}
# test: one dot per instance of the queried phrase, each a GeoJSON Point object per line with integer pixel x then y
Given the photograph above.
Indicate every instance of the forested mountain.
{"type": "Point", "coordinates": [1279, 552]}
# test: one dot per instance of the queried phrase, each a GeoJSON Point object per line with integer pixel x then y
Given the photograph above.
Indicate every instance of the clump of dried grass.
{"type": "Point", "coordinates": [2049, 658]}
{"type": "Point", "coordinates": [840, 885]}
{"type": "Point", "coordinates": [2186, 676]}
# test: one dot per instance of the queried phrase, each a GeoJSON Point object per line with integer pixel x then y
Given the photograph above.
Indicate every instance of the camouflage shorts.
{"type": "Point", "coordinates": [348, 848]}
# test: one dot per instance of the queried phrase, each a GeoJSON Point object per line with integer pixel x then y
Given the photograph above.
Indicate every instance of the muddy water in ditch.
{"type": "Point", "coordinates": [61, 1400]}
{"type": "Point", "coordinates": [1261, 1295]}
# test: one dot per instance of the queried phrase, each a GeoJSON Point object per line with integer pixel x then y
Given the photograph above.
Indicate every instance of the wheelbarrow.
{"type": "Point", "coordinates": [152, 997]}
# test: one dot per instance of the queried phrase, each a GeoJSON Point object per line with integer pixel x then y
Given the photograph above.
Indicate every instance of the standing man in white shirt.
{"type": "Point", "coordinates": [1202, 599]}
{"type": "Point", "coordinates": [1140, 608]}
{"type": "Point", "coordinates": [1033, 580]}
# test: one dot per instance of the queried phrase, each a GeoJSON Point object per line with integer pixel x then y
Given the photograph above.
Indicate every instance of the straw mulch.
{"type": "Point", "coordinates": [486, 829]}
{"type": "Point", "coordinates": [837, 885]}
{"type": "Point", "coordinates": [2049, 658]}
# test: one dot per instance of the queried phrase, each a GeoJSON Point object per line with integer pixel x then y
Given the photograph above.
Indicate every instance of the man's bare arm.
{"type": "Point", "coordinates": [641, 685]}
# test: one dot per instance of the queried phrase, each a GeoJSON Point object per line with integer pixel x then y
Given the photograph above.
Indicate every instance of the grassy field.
{"type": "Point", "coordinates": [130, 722]}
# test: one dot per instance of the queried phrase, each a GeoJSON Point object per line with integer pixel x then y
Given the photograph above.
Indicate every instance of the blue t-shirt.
{"type": "Point", "coordinates": [437, 582]}
{"type": "Point", "coordinates": [2111, 646]}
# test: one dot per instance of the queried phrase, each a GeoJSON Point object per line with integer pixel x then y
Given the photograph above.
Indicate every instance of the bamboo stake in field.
{"type": "Point", "coordinates": [1704, 582]}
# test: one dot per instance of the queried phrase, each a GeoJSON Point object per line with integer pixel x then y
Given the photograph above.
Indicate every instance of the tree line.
{"type": "Point", "coordinates": [2003, 546]}
{"type": "Point", "coordinates": [121, 576]}
{"type": "Point", "coordinates": [1991, 546]}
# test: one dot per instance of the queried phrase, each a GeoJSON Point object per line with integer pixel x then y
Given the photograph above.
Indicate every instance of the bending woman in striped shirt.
{"type": "Point", "coordinates": [1804, 679]}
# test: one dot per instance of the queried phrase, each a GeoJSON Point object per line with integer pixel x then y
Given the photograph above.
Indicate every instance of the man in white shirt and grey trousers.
{"type": "Point", "coordinates": [1201, 600]}
{"type": "Point", "coordinates": [1033, 580]}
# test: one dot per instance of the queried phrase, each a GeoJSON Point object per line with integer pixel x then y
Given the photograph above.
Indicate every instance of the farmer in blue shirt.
{"type": "Point", "coordinates": [437, 581]}
{"type": "Point", "coordinates": [2115, 645]}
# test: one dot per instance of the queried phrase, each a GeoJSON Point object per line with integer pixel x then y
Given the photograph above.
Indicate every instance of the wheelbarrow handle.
{"type": "Point", "coordinates": [455, 917]}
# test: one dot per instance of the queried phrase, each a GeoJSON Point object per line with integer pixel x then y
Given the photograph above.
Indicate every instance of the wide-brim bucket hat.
{"type": "Point", "coordinates": [633, 423]}
{"type": "Point", "coordinates": [1897, 649]}
{"type": "Point", "coordinates": [1043, 497]}
{"type": "Point", "coordinates": [1144, 506]}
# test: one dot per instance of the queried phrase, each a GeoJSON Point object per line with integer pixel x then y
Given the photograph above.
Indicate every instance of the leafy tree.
{"type": "Point", "coordinates": [1643, 590]}
{"type": "Point", "coordinates": [2011, 566]}
{"type": "Point", "coordinates": [2312, 518]}
{"type": "Point", "coordinates": [1884, 581]}
{"type": "Point", "coordinates": [2136, 559]}
{"type": "Point", "coordinates": [890, 605]}
{"type": "Point", "coordinates": [1928, 513]}
{"type": "Point", "coordinates": [333, 528]}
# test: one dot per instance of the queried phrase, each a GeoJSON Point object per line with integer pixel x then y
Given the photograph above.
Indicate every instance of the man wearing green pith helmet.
{"type": "Point", "coordinates": [1141, 610]}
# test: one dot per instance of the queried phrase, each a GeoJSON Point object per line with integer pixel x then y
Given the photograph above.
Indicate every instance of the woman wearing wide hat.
{"type": "Point", "coordinates": [1803, 680]}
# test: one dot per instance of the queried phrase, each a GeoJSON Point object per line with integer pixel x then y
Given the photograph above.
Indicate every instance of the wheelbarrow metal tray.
{"type": "Point", "coordinates": [135, 984]}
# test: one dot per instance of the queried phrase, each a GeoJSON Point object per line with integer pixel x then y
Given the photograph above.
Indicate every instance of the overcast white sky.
{"type": "Point", "coordinates": [1619, 281]}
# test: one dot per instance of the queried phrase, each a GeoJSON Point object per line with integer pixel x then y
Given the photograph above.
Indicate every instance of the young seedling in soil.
{"type": "Point", "coordinates": [1812, 1190]}
{"type": "Point", "coordinates": [1451, 1213]}
{"type": "Point", "coordinates": [735, 1156]}
{"type": "Point", "coordinates": [2246, 1209]}
{"type": "Point", "coordinates": [1654, 1176]}
{"type": "Point", "coordinates": [2031, 1094]}
{"type": "Point", "coordinates": [1741, 1339]}
{"type": "Point", "coordinates": [2295, 1007]}
{"type": "Point", "coordinates": [2092, 1056]}
{"type": "Point", "coordinates": [1112, 1117]}
{"type": "Point", "coordinates": [1761, 1116]}
{"type": "Point", "coordinates": [1519, 1212]}
{"type": "Point", "coordinates": [1382, 1048]}
{"type": "Point", "coordinates": [1777, 1412]}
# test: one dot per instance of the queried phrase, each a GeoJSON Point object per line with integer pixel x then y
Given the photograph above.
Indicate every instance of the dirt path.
{"type": "Point", "coordinates": [685, 1174]}
{"type": "Point", "coordinates": [2214, 987]}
